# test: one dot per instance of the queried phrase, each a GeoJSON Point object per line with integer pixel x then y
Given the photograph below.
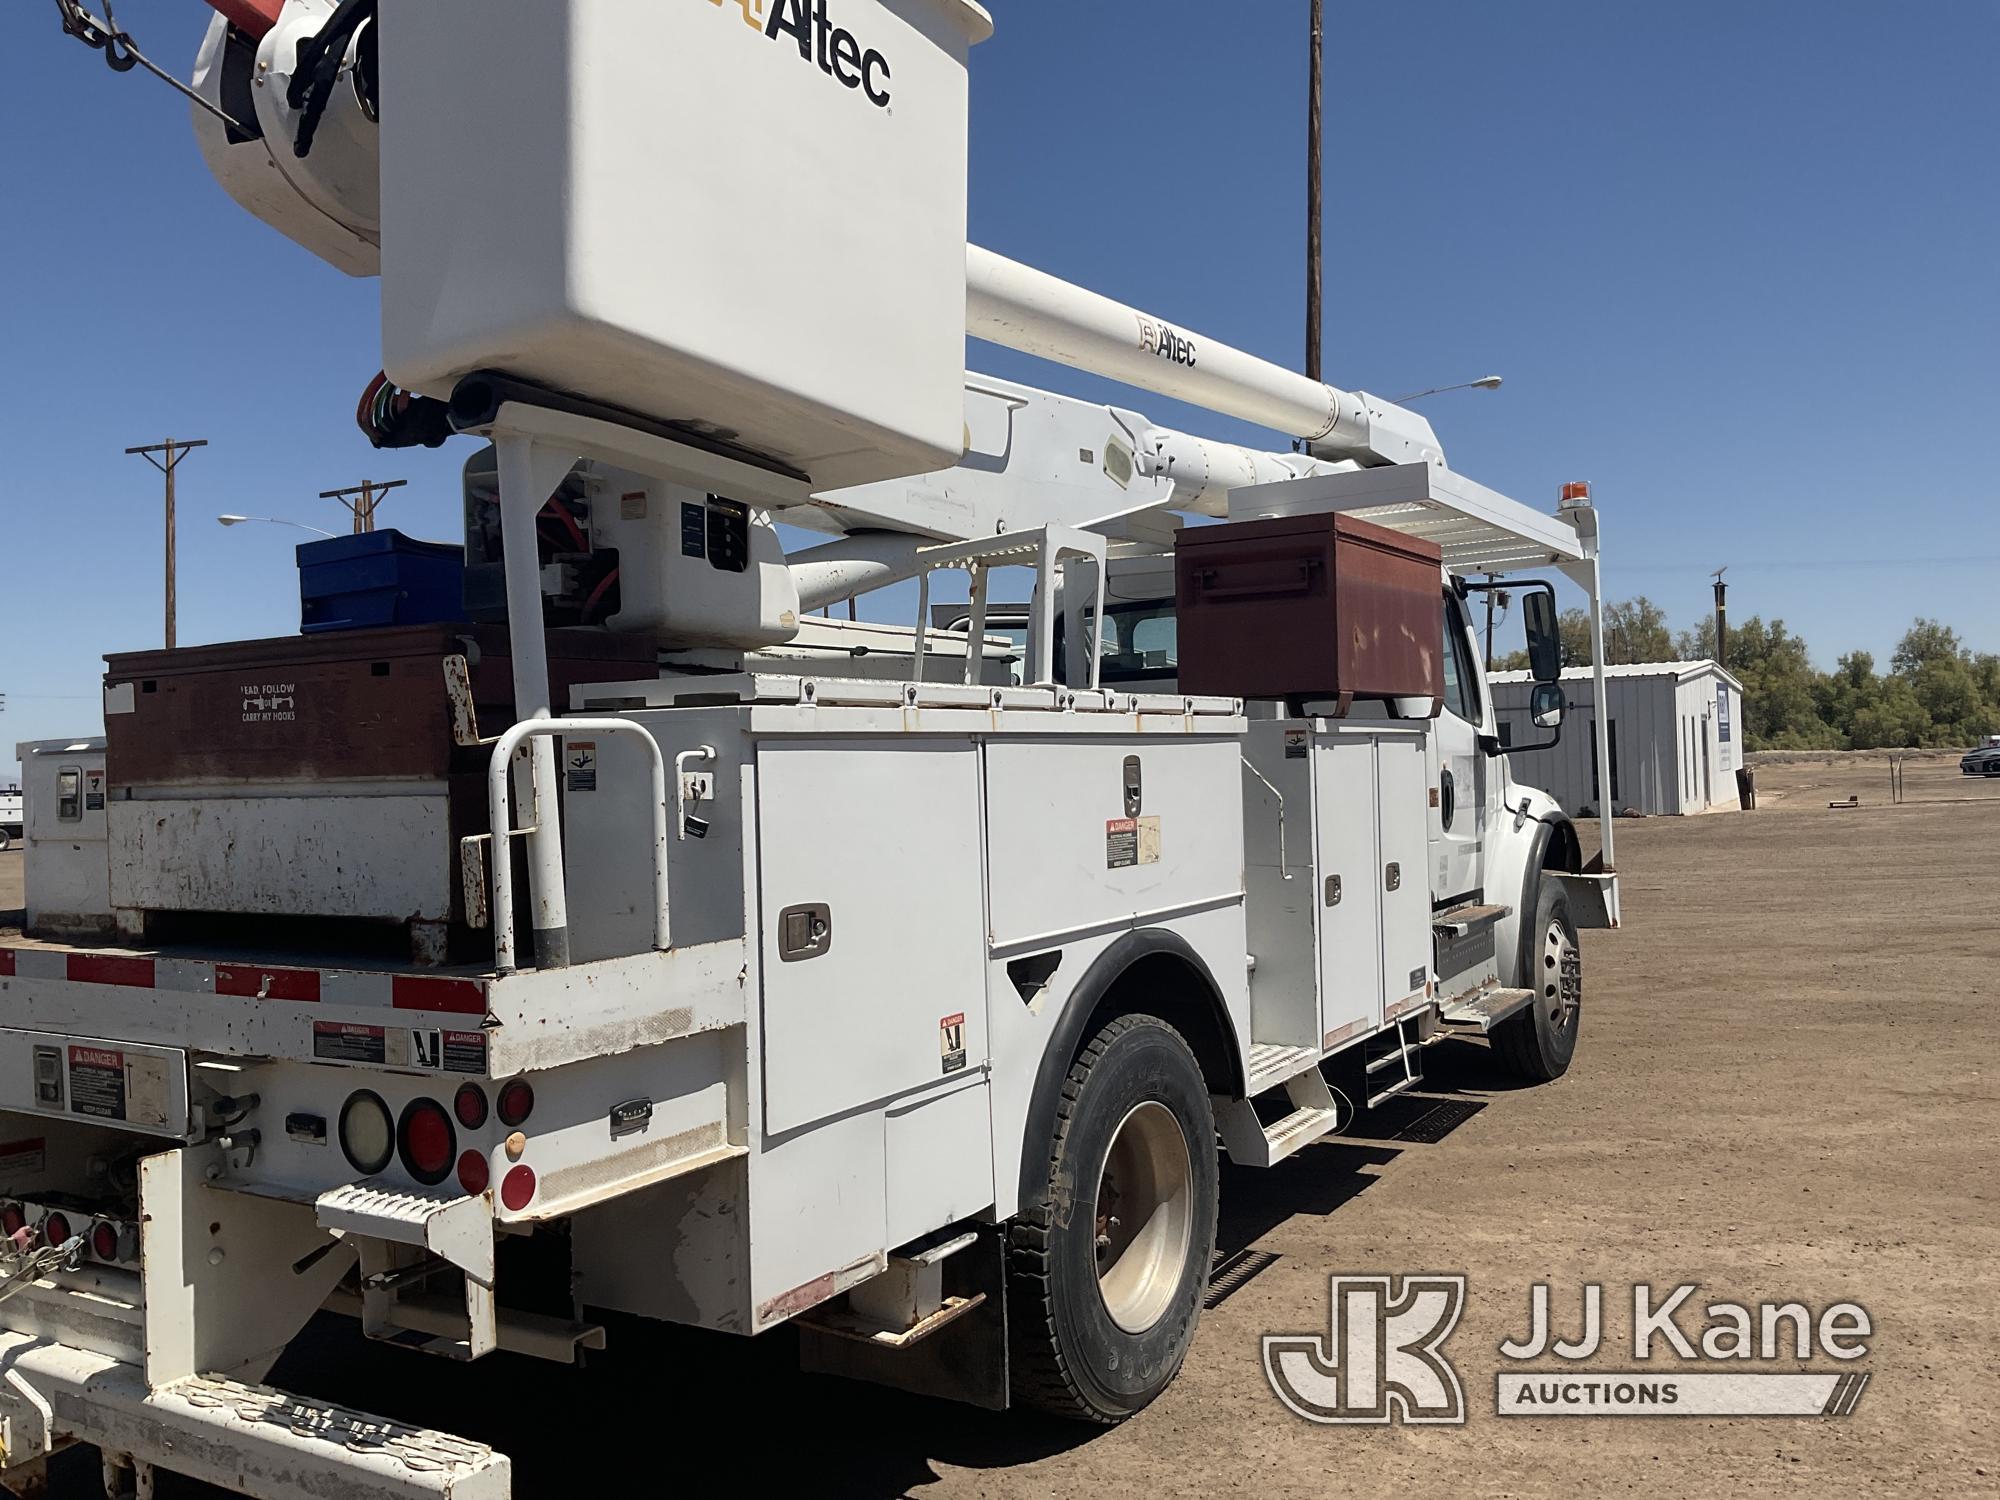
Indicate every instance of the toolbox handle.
{"type": "Point", "coordinates": [1292, 576]}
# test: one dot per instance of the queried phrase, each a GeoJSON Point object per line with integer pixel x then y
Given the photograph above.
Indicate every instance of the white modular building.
{"type": "Point", "coordinates": [1676, 732]}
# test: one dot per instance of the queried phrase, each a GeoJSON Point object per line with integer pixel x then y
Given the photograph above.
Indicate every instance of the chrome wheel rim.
{"type": "Point", "coordinates": [1561, 976]}
{"type": "Point", "coordinates": [1144, 1216]}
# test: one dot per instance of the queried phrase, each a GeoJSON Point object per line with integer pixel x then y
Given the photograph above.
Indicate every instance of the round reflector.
{"type": "Point", "coordinates": [517, 1101]}
{"type": "Point", "coordinates": [473, 1173]}
{"type": "Point", "coordinates": [470, 1106]}
{"type": "Point", "coordinates": [517, 1188]}
{"type": "Point", "coordinates": [55, 1229]}
{"type": "Point", "coordinates": [367, 1133]}
{"type": "Point", "coordinates": [12, 1219]}
{"type": "Point", "coordinates": [104, 1240]}
{"type": "Point", "coordinates": [426, 1141]}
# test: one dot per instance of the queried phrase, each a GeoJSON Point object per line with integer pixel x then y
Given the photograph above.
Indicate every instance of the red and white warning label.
{"type": "Point", "coordinates": [109, 1083]}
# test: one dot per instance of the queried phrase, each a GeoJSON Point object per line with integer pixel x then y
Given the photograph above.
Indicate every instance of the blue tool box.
{"type": "Point", "coordinates": [378, 578]}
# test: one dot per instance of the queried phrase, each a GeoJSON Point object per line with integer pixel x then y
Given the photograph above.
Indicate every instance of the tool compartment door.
{"type": "Point", "coordinates": [1350, 880]}
{"type": "Point", "coordinates": [872, 940]}
{"type": "Point", "coordinates": [1403, 778]}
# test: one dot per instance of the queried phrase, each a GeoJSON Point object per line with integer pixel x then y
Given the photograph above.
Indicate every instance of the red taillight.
{"type": "Point", "coordinates": [55, 1229]}
{"type": "Point", "coordinates": [470, 1106]}
{"type": "Point", "coordinates": [517, 1101]}
{"type": "Point", "coordinates": [426, 1141]}
{"type": "Point", "coordinates": [517, 1188]}
{"type": "Point", "coordinates": [12, 1220]}
{"type": "Point", "coordinates": [104, 1241]}
{"type": "Point", "coordinates": [473, 1173]}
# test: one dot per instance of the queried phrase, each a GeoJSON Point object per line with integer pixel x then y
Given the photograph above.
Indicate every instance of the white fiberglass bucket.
{"type": "Point", "coordinates": [744, 214]}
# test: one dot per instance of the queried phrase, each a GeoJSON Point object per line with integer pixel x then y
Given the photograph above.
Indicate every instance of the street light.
{"type": "Point", "coordinates": [269, 521]}
{"type": "Point", "coordinates": [1483, 383]}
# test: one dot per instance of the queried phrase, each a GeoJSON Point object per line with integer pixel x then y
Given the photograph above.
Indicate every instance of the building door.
{"type": "Point", "coordinates": [1707, 779]}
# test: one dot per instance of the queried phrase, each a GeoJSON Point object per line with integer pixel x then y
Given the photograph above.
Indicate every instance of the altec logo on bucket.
{"type": "Point", "coordinates": [833, 47]}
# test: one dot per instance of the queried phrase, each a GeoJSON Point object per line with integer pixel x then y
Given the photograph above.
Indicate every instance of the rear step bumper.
{"type": "Point", "coordinates": [251, 1439]}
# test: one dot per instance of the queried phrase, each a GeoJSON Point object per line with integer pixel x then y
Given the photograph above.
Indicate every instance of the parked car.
{"type": "Point", "coordinates": [1983, 761]}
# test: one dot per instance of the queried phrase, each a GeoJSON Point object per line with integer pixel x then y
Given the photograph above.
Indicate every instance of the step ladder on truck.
{"type": "Point", "coordinates": [579, 956]}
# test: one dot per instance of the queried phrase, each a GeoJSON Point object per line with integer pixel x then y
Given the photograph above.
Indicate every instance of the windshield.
{"type": "Point", "coordinates": [1139, 640]}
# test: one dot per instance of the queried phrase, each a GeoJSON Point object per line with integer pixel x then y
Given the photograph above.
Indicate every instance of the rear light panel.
{"type": "Point", "coordinates": [470, 1106]}
{"type": "Point", "coordinates": [426, 1141]}
{"type": "Point", "coordinates": [516, 1102]}
{"type": "Point", "coordinates": [367, 1134]}
{"type": "Point", "coordinates": [474, 1175]}
{"type": "Point", "coordinates": [517, 1188]}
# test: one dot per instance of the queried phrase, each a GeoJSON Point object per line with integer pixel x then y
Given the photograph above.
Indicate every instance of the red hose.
{"type": "Point", "coordinates": [603, 587]}
{"type": "Point", "coordinates": [254, 16]}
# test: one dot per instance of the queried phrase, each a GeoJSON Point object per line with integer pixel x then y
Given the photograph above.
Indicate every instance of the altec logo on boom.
{"type": "Point", "coordinates": [833, 47]}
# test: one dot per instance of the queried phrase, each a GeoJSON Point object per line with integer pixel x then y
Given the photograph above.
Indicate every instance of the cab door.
{"type": "Point", "coordinates": [1459, 770]}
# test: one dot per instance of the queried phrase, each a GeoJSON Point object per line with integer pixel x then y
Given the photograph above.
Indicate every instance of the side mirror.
{"type": "Point", "coordinates": [1538, 615]}
{"type": "Point", "coordinates": [1546, 705]}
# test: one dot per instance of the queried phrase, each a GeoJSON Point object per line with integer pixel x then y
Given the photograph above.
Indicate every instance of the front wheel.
{"type": "Point", "coordinates": [1538, 1041]}
{"type": "Point", "coordinates": [6, 839]}
{"type": "Point", "coordinates": [1108, 1266]}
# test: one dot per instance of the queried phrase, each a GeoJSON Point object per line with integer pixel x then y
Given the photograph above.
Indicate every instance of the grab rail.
{"type": "Point", "coordinates": [500, 808]}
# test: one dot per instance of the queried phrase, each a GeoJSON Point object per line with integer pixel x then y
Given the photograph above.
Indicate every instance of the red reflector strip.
{"type": "Point", "coordinates": [101, 968]}
{"type": "Point", "coordinates": [6, 961]}
{"type": "Point", "coordinates": [459, 996]}
{"type": "Point", "coordinates": [267, 984]}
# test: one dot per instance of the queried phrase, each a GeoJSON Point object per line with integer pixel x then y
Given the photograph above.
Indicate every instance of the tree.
{"type": "Point", "coordinates": [1697, 644]}
{"type": "Point", "coordinates": [1926, 642]}
{"type": "Point", "coordinates": [1781, 691]}
{"type": "Point", "coordinates": [1635, 630]}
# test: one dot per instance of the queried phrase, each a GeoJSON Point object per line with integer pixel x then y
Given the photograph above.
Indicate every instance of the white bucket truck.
{"type": "Point", "coordinates": [908, 1009]}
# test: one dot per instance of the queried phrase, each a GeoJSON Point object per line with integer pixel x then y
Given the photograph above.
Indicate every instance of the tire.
{"type": "Point", "coordinates": [1538, 1042]}
{"type": "Point", "coordinates": [6, 839]}
{"type": "Point", "coordinates": [1097, 1331]}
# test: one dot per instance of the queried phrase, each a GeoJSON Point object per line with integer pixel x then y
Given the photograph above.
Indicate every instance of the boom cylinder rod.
{"type": "Point", "coordinates": [1029, 310]}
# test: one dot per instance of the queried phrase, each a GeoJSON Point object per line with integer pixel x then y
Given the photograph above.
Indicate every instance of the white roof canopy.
{"type": "Point", "coordinates": [1479, 530]}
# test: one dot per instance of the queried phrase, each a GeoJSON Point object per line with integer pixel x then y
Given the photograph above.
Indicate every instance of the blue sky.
{"type": "Point", "coordinates": [1736, 263]}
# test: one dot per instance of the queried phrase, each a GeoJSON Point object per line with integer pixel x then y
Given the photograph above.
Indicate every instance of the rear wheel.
{"type": "Point", "coordinates": [1106, 1269]}
{"type": "Point", "coordinates": [1538, 1041]}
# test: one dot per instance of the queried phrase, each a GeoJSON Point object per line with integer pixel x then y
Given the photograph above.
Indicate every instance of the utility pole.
{"type": "Point", "coordinates": [175, 451]}
{"type": "Point", "coordinates": [1489, 623]}
{"type": "Point", "coordinates": [1721, 619]}
{"type": "Point", "coordinates": [1313, 185]}
{"type": "Point", "coordinates": [361, 500]}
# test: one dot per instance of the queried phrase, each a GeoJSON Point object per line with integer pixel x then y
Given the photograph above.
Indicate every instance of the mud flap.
{"type": "Point", "coordinates": [1593, 898]}
{"type": "Point", "coordinates": [964, 1361]}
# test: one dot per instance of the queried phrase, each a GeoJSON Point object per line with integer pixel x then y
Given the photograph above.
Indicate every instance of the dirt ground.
{"type": "Point", "coordinates": [1785, 1090]}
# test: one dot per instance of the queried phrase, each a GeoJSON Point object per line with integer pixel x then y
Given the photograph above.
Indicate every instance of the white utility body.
{"type": "Point", "coordinates": [903, 999]}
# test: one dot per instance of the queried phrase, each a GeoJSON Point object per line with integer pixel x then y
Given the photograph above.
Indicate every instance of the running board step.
{"type": "Point", "coordinates": [1467, 918]}
{"type": "Point", "coordinates": [1272, 1063]}
{"type": "Point", "coordinates": [1400, 1086]}
{"type": "Point", "coordinates": [1252, 1143]}
{"type": "Point", "coordinates": [1485, 1010]}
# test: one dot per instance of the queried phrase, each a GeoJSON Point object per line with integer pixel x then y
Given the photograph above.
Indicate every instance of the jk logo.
{"type": "Point", "coordinates": [1380, 1360]}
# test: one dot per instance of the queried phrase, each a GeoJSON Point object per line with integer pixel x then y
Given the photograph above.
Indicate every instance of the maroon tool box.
{"type": "Point", "coordinates": [1313, 606]}
{"type": "Point", "coordinates": [221, 759]}
{"type": "Point", "coordinates": [352, 705]}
